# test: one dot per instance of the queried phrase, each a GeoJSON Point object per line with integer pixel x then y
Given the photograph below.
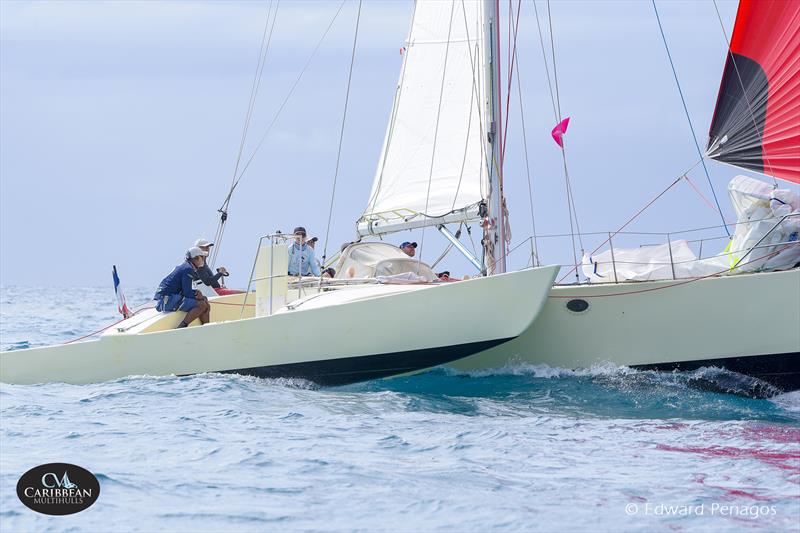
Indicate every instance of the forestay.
{"type": "Point", "coordinates": [433, 168]}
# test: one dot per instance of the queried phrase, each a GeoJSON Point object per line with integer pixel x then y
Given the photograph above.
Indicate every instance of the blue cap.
{"type": "Point", "coordinates": [411, 244]}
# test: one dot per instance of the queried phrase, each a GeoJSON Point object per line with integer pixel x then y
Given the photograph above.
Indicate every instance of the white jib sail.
{"type": "Point", "coordinates": [433, 166]}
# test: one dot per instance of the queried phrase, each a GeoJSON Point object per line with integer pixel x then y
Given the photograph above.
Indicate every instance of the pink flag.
{"type": "Point", "coordinates": [559, 131]}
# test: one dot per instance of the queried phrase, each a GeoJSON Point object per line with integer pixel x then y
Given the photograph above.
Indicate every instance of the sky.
{"type": "Point", "coordinates": [120, 125]}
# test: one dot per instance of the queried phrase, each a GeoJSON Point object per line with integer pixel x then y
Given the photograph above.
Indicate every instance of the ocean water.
{"type": "Point", "coordinates": [527, 448]}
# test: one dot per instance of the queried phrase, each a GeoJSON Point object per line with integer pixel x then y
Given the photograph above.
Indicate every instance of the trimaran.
{"type": "Point", "coordinates": [658, 307]}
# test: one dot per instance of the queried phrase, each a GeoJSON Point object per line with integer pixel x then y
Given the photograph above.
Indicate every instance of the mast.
{"type": "Point", "coordinates": [441, 161]}
{"type": "Point", "coordinates": [494, 241]}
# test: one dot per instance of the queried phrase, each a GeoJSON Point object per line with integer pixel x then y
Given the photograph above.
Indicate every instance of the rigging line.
{"type": "Point", "coordinates": [570, 199]}
{"type": "Point", "coordinates": [436, 128]}
{"type": "Point", "coordinates": [341, 134]}
{"type": "Point", "coordinates": [257, 85]}
{"type": "Point", "coordinates": [553, 52]}
{"type": "Point", "coordinates": [253, 90]}
{"type": "Point", "coordinates": [524, 133]}
{"type": "Point", "coordinates": [489, 163]}
{"type": "Point", "coordinates": [469, 127]}
{"type": "Point", "coordinates": [516, 247]}
{"type": "Point", "coordinates": [464, 157]}
{"type": "Point", "coordinates": [498, 115]}
{"type": "Point", "coordinates": [449, 247]}
{"type": "Point", "coordinates": [493, 161]}
{"type": "Point", "coordinates": [527, 164]}
{"type": "Point", "coordinates": [263, 64]}
{"type": "Point", "coordinates": [509, 32]}
{"type": "Point", "coordinates": [546, 67]}
{"type": "Point", "coordinates": [288, 96]}
{"type": "Point", "coordinates": [744, 91]}
{"type": "Point", "coordinates": [570, 193]}
{"type": "Point", "coordinates": [567, 179]}
{"type": "Point", "coordinates": [639, 212]}
{"type": "Point", "coordinates": [699, 193]}
{"type": "Point", "coordinates": [266, 39]}
{"type": "Point", "coordinates": [472, 242]}
{"type": "Point", "coordinates": [272, 123]}
{"type": "Point", "coordinates": [393, 117]}
{"type": "Point", "coordinates": [476, 98]}
{"type": "Point", "coordinates": [512, 62]}
{"type": "Point", "coordinates": [442, 256]}
{"type": "Point", "coordinates": [688, 118]}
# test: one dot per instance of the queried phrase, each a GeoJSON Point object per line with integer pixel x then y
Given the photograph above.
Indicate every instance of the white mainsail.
{"type": "Point", "coordinates": [434, 167]}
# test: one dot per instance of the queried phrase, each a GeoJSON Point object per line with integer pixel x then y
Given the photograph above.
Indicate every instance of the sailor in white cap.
{"type": "Point", "coordinates": [204, 272]}
{"type": "Point", "coordinates": [176, 291]}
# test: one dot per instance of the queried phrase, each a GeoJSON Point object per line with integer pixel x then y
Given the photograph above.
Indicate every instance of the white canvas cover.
{"type": "Point", "coordinates": [445, 54]}
{"type": "Point", "coordinates": [759, 207]}
{"type": "Point", "coordinates": [379, 260]}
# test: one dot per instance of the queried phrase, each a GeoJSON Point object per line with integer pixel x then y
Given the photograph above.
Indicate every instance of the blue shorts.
{"type": "Point", "coordinates": [175, 302]}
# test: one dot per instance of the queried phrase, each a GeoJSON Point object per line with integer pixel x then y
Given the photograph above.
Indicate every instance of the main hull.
{"type": "Point", "coordinates": [748, 323]}
{"type": "Point", "coordinates": [332, 338]}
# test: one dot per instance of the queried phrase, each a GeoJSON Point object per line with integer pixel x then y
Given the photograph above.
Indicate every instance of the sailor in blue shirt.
{"type": "Point", "coordinates": [301, 256]}
{"type": "Point", "coordinates": [176, 291]}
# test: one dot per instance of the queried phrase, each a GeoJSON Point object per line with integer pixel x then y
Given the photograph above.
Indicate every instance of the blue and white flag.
{"type": "Point", "coordinates": [122, 305]}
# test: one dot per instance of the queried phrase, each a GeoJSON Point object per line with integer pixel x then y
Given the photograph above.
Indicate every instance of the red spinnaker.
{"type": "Point", "coordinates": [756, 123]}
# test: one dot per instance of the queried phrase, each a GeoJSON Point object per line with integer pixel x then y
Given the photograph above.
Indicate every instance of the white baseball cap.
{"type": "Point", "coordinates": [194, 251]}
{"type": "Point", "coordinates": [202, 242]}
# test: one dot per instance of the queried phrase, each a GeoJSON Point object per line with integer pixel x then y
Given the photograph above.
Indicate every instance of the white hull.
{"type": "Point", "coordinates": [748, 323]}
{"type": "Point", "coordinates": [335, 337]}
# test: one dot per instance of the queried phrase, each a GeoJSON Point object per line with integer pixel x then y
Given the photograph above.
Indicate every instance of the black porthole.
{"type": "Point", "coordinates": [577, 305]}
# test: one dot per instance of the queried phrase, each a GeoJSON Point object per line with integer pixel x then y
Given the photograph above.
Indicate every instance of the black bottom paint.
{"type": "Point", "coordinates": [362, 368]}
{"type": "Point", "coordinates": [779, 370]}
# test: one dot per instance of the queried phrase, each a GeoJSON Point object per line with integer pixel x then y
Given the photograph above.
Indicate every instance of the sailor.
{"type": "Point", "coordinates": [204, 273]}
{"type": "Point", "coordinates": [410, 248]}
{"type": "Point", "coordinates": [176, 293]}
{"type": "Point", "coordinates": [302, 261]}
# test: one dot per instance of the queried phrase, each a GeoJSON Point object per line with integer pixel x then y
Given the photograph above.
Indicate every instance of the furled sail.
{"type": "Point", "coordinates": [756, 124]}
{"type": "Point", "coordinates": [433, 167]}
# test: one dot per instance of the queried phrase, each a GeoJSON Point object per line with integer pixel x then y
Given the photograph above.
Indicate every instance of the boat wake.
{"type": "Point", "coordinates": [606, 391]}
{"type": "Point", "coordinates": [222, 379]}
{"type": "Point", "coordinates": [711, 379]}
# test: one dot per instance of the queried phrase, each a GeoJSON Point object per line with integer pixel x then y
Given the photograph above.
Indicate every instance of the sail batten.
{"type": "Point", "coordinates": [433, 162]}
{"type": "Point", "coordinates": [756, 123]}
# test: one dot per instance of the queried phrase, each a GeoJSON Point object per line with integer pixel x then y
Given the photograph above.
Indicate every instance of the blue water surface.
{"type": "Point", "coordinates": [524, 447]}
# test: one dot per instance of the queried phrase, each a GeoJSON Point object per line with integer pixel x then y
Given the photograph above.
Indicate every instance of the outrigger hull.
{"type": "Point", "coordinates": [747, 323]}
{"type": "Point", "coordinates": [332, 338]}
